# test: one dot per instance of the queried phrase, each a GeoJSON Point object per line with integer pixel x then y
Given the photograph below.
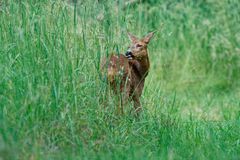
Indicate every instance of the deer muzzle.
{"type": "Point", "coordinates": [129, 54]}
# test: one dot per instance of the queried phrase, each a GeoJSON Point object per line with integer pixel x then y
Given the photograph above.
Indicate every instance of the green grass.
{"type": "Point", "coordinates": [53, 105]}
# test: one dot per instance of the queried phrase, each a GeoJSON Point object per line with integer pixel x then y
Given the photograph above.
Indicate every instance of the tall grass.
{"type": "Point", "coordinates": [54, 105]}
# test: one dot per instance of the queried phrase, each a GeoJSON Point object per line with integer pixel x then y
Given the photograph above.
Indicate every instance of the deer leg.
{"type": "Point", "coordinates": [121, 105]}
{"type": "Point", "coordinates": [124, 97]}
{"type": "Point", "coordinates": [137, 104]}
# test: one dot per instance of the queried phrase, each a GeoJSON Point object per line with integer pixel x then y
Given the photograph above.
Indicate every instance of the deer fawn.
{"type": "Point", "coordinates": [126, 73]}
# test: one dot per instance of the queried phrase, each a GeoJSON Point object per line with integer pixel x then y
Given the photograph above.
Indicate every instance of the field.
{"type": "Point", "coordinates": [54, 105]}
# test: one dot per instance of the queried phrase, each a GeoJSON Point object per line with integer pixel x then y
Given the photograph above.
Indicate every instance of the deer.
{"type": "Point", "coordinates": [126, 73]}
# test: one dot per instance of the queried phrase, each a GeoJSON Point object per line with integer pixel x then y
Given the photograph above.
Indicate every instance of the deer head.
{"type": "Point", "coordinates": [138, 49]}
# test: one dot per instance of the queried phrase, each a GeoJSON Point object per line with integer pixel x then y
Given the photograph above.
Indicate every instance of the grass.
{"type": "Point", "coordinates": [53, 105]}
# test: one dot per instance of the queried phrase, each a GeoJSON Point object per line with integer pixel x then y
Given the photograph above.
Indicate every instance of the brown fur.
{"type": "Point", "coordinates": [127, 76]}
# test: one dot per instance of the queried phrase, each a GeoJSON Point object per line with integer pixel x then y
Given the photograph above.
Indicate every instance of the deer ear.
{"type": "Point", "coordinates": [148, 37]}
{"type": "Point", "coordinates": [132, 37]}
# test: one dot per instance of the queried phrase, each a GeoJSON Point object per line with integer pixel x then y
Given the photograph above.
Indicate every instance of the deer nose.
{"type": "Point", "coordinates": [128, 54]}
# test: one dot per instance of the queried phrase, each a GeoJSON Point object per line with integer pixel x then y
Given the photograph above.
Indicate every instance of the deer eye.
{"type": "Point", "coordinates": [138, 45]}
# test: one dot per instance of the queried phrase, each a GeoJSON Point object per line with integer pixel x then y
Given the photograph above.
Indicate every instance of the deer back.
{"type": "Point", "coordinates": [117, 69]}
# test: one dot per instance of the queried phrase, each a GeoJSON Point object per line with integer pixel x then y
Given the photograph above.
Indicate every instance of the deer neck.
{"type": "Point", "coordinates": [141, 67]}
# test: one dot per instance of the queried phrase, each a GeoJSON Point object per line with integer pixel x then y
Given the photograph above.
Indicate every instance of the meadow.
{"type": "Point", "coordinates": [54, 104]}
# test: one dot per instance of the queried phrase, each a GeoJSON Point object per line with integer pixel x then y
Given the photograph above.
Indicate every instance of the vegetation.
{"type": "Point", "coordinates": [54, 105]}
